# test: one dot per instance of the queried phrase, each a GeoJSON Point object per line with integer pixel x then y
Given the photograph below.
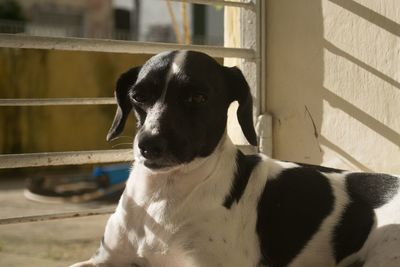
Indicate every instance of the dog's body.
{"type": "Point", "coordinates": [194, 200]}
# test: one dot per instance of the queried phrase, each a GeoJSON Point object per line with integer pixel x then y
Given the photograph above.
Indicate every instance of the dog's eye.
{"type": "Point", "coordinates": [140, 97]}
{"type": "Point", "coordinates": [196, 99]}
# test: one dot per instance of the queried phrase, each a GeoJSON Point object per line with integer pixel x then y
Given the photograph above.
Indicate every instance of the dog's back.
{"type": "Point", "coordinates": [308, 212]}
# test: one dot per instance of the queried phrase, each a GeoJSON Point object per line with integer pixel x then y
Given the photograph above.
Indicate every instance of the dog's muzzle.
{"type": "Point", "coordinates": [153, 149]}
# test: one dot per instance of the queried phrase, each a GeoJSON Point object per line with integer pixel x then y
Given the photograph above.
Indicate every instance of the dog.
{"type": "Point", "coordinates": [195, 200]}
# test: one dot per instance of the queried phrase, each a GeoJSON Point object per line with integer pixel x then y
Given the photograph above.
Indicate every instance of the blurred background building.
{"type": "Point", "coordinates": [31, 73]}
{"type": "Point", "coordinates": [137, 20]}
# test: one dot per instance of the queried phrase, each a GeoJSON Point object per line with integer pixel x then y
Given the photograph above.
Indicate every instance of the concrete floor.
{"type": "Point", "coordinates": [44, 244]}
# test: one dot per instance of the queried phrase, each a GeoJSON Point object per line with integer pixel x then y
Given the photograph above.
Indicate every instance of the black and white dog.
{"type": "Point", "coordinates": [194, 200]}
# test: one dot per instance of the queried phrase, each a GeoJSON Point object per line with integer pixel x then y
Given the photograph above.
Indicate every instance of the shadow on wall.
{"type": "Point", "coordinates": [369, 15]}
{"type": "Point", "coordinates": [26, 73]}
{"type": "Point", "coordinates": [333, 83]}
{"type": "Point", "coordinates": [364, 48]}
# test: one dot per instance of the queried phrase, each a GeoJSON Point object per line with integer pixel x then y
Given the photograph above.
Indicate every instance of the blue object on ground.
{"type": "Point", "coordinates": [116, 173]}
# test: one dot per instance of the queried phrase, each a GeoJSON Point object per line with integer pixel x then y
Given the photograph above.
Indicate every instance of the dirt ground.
{"type": "Point", "coordinates": [55, 243]}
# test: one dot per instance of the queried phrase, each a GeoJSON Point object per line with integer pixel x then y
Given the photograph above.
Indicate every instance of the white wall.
{"type": "Point", "coordinates": [333, 82]}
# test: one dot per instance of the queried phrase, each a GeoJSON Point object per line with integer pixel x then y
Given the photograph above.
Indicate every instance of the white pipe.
{"type": "Point", "coordinates": [116, 46]}
{"type": "Point", "coordinates": [57, 216]}
{"type": "Point", "coordinates": [12, 102]}
{"type": "Point", "coordinates": [247, 4]}
{"type": "Point", "coordinates": [64, 158]}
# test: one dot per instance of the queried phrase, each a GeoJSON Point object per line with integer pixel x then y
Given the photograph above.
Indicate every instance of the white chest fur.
{"type": "Point", "coordinates": [158, 220]}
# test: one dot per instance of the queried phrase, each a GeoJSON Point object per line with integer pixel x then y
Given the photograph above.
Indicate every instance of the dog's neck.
{"type": "Point", "coordinates": [174, 185]}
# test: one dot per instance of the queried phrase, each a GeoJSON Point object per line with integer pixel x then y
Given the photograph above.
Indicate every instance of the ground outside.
{"type": "Point", "coordinates": [56, 243]}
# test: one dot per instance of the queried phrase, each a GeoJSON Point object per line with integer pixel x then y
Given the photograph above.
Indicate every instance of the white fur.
{"type": "Point", "coordinates": [383, 245]}
{"type": "Point", "coordinates": [175, 218]}
{"type": "Point", "coordinates": [178, 61]}
{"type": "Point", "coordinates": [174, 69]}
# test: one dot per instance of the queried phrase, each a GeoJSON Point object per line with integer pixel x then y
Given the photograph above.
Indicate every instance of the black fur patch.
{"type": "Point", "coordinates": [320, 168]}
{"type": "Point", "coordinates": [245, 165]}
{"type": "Point", "coordinates": [353, 229]}
{"type": "Point", "coordinates": [373, 189]}
{"type": "Point", "coordinates": [290, 211]}
{"type": "Point", "coordinates": [367, 191]}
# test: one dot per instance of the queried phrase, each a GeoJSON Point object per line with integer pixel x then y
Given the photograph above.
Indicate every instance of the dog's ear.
{"type": "Point", "coordinates": [239, 90]}
{"type": "Point", "coordinates": [124, 83]}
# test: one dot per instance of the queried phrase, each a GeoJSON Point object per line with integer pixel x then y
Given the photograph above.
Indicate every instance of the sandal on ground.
{"type": "Point", "coordinates": [105, 183]}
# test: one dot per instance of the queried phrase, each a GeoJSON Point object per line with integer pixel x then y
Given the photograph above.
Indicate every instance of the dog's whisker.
{"type": "Point", "coordinates": [123, 136]}
{"type": "Point", "coordinates": [122, 144]}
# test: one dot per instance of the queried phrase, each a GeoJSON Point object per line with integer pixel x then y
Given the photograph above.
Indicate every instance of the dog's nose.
{"type": "Point", "coordinates": [152, 147]}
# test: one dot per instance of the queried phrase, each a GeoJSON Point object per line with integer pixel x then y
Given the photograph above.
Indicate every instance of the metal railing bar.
{"type": "Point", "coordinates": [247, 5]}
{"type": "Point", "coordinates": [116, 46]}
{"type": "Point", "coordinates": [57, 216]}
{"type": "Point", "coordinates": [20, 102]}
{"type": "Point", "coordinates": [8, 161]}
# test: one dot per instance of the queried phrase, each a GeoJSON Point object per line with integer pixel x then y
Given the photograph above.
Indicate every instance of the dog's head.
{"type": "Point", "coordinates": [180, 99]}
